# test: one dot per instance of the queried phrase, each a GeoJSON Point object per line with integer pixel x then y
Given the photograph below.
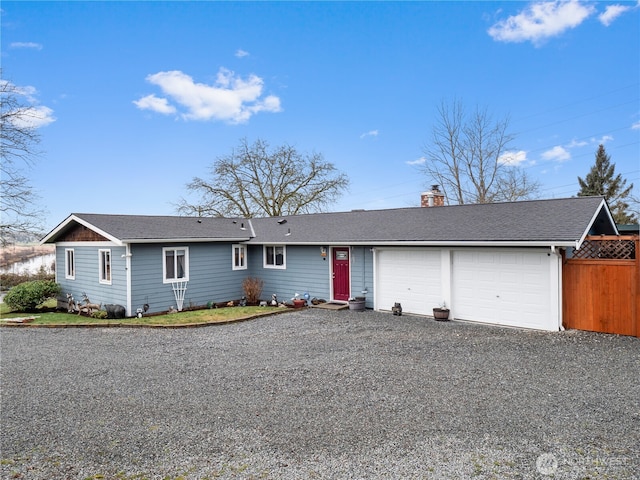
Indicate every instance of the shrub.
{"type": "Point", "coordinates": [252, 287]}
{"type": "Point", "coordinates": [28, 295]}
{"type": "Point", "coordinates": [100, 314]}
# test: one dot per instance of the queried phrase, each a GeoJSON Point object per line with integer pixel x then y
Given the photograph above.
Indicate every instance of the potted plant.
{"type": "Point", "coordinates": [441, 313]}
{"type": "Point", "coordinates": [298, 302]}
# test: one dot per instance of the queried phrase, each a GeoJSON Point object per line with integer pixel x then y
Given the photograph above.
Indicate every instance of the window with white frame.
{"type": "Point", "coordinates": [275, 256]}
{"type": "Point", "coordinates": [69, 264]}
{"type": "Point", "coordinates": [239, 257]}
{"type": "Point", "coordinates": [104, 257]}
{"type": "Point", "coordinates": [175, 265]}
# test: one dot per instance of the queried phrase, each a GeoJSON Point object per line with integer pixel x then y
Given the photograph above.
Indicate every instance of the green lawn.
{"type": "Point", "coordinates": [193, 317]}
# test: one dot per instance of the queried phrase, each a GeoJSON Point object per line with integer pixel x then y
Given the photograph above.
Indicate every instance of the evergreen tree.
{"type": "Point", "coordinates": [602, 180]}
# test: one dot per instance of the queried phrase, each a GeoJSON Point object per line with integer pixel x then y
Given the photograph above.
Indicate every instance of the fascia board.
{"type": "Point", "coordinates": [56, 230]}
{"type": "Point", "coordinates": [74, 218]}
{"type": "Point", "coordinates": [475, 243]}
{"type": "Point", "coordinates": [183, 240]}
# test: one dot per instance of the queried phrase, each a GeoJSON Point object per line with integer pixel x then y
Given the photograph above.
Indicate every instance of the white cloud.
{"type": "Point", "coordinates": [231, 98]}
{"type": "Point", "coordinates": [33, 45]}
{"type": "Point", "coordinates": [556, 154]}
{"type": "Point", "coordinates": [241, 53]}
{"type": "Point", "coordinates": [34, 117]}
{"type": "Point", "coordinates": [577, 143]}
{"type": "Point", "coordinates": [604, 139]}
{"type": "Point", "coordinates": [418, 161]}
{"type": "Point", "coordinates": [540, 21]}
{"type": "Point", "coordinates": [612, 12]}
{"type": "Point", "coordinates": [370, 133]}
{"type": "Point", "coordinates": [30, 116]}
{"type": "Point", "coordinates": [635, 126]}
{"type": "Point", "coordinates": [151, 102]}
{"type": "Point", "coordinates": [513, 158]}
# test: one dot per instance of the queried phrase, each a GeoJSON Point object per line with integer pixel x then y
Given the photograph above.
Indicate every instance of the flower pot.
{"type": "Point", "coordinates": [441, 314]}
{"type": "Point", "coordinates": [299, 303]}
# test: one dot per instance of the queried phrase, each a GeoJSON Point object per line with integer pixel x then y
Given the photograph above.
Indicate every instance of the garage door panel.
{"type": "Point", "coordinates": [509, 288]}
{"type": "Point", "coordinates": [411, 277]}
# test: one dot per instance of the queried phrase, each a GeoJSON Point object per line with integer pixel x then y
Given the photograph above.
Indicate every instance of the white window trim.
{"type": "Point", "coordinates": [284, 257]}
{"type": "Point", "coordinates": [233, 256]}
{"type": "Point", "coordinates": [101, 278]}
{"type": "Point", "coordinates": [69, 266]}
{"type": "Point", "coordinates": [164, 265]}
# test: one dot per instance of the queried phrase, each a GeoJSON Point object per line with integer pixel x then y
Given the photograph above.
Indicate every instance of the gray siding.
{"type": "Point", "coordinates": [211, 277]}
{"type": "Point", "coordinates": [87, 274]}
{"type": "Point", "coordinates": [362, 274]}
{"type": "Point", "coordinates": [307, 271]}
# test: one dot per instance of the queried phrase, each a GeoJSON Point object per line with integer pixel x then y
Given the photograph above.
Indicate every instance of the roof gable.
{"type": "Point", "coordinates": [122, 229]}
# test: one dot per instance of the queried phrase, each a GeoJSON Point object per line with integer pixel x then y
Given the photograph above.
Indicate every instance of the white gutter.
{"type": "Point", "coordinates": [419, 243]}
{"type": "Point", "coordinates": [184, 240]}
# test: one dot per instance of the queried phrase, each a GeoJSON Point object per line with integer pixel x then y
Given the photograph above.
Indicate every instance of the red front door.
{"type": "Point", "coordinates": [341, 289]}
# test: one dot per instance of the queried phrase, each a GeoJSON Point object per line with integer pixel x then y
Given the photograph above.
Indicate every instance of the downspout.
{"type": "Point", "coordinates": [127, 258]}
{"type": "Point", "coordinates": [375, 283]}
{"type": "Point", "coordinates": [364, 271]}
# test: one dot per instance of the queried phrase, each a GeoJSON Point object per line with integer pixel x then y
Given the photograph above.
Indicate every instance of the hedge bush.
{"type": "Point", "coordinates": [28, 295]}
{"type": "Point", "coordinates": [9, 280]}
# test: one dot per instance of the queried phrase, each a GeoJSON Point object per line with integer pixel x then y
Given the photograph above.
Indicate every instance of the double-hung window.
{"type": "Point", "coordinates": [275, 256]}
{"type": "Point", "coordinates": [104, 258]}
{"type": "Point", "coordinates": [69, 264]}
{"type": "Point", "coordinates": [175, 266]}
{"type": "Point", "coordinates": [239, 257]}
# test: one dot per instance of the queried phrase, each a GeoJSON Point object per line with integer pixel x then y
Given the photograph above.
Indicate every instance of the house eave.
{"type": "Point", "coordinates": [439, 243]}
{"type": "Point", "coordinates": [184, 240]}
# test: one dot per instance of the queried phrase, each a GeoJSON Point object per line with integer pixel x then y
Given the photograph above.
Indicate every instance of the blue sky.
{"type": "Point", "coordinates": [135, 99]}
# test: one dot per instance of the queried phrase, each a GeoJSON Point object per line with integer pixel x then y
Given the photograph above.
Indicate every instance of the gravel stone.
{"type": "Point", "coordinates": [321, 395]}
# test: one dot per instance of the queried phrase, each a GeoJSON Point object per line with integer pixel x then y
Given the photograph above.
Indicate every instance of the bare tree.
{"type": "Point", "coordinates": [19, 136]}
{"type": "Point", "coordinates": [255, 180]}
{"type": "Point", "coordinates": [467, 155]}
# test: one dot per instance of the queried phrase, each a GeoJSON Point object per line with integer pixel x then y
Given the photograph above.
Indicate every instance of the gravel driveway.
{"type": "Point", "coordinates": [319, 394]}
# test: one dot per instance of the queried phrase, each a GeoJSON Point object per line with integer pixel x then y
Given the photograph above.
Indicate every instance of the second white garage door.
{"type": "Point", "coordinates": [503, 287]}
{"type": "Point", "coordinates": [409, 276]}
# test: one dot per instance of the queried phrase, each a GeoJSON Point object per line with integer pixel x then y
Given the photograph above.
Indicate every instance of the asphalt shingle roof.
{"type": "Point", "coordinates": [145, 227]}
{"type": "Point", "coordinates": [560, 220]}
{"type": "Point", "coordinates": [555, 220]}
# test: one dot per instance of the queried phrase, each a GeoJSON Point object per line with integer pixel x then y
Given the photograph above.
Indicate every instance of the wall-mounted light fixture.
{"type": "Point", "coordinates": [323, 252]}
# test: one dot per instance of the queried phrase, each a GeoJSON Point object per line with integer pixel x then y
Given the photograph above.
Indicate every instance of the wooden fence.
{"type": "Point", "coordinates": [601, 286]}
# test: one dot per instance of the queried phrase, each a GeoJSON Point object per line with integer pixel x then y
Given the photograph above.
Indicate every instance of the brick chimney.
{"type": "Point", "coordinates": [433, 198]}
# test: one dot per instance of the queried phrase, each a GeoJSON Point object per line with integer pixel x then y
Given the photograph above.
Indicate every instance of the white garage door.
{"type": "Point", "coordinates": [408, 276]}
{"type": "Point", "coordinates": [502, 287]}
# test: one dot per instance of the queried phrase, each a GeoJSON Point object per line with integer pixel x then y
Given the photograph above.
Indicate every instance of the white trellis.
{"type": "Point", "coordinates": [178, 291]}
